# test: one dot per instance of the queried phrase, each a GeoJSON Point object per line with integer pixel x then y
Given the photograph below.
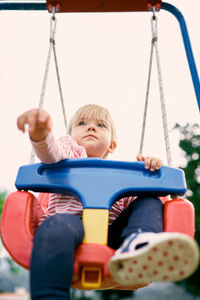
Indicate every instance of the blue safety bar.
{"type": "Point", "coordinates": [166, 6]}
{"type": "Point", "coordinates": [103, 180]}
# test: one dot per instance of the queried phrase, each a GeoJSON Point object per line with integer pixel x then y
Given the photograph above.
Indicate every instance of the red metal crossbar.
{"type": "Point", "coordinates": [103, 5]}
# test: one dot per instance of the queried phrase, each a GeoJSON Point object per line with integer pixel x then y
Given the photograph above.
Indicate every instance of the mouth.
{"type": "Point", "coordinates": [90, 136]}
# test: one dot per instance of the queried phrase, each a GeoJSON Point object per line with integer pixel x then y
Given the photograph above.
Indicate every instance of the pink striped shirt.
{"type": "Point", "coordinates": [51, 151]}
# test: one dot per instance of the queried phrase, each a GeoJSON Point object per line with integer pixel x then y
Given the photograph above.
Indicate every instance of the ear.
{"type": "Point", "coordinates": [112, 146]}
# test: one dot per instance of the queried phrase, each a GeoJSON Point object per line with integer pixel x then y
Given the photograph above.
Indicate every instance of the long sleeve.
{"type": "Point", "coordinates": [51, 150]}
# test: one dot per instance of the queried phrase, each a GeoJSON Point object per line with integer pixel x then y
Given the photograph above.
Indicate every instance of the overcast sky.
{"type": "Point", "coordinates": [103, 59]}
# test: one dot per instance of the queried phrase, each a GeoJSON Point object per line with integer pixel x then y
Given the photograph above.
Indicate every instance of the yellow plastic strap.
{"type": "Point", "coordinates": [96, 226]}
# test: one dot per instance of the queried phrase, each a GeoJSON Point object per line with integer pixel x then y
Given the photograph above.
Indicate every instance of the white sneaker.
{"type": "Point", "coordinates": [148, 257]}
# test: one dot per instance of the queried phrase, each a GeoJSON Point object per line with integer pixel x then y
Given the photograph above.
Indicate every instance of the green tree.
{"type": "Point", "coordinates": [190, 144]}
{"type": "Point", "coordinates": [2, 199]}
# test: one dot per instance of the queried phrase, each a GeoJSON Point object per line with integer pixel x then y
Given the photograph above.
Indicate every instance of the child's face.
{"type": "Point", "coordinates": [94, 135]}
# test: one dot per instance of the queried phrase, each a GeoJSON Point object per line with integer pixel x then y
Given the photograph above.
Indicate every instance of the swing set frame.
{"type": "Point", "coordinates": [42, 5]}
{"type": "Point", "coordinates": [73, 176]}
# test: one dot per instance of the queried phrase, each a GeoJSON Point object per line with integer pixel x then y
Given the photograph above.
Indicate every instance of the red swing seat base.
{"type": "Point", "coordinates": [91, 268]}
{"type": "Point", "coordinates": [22, 211]}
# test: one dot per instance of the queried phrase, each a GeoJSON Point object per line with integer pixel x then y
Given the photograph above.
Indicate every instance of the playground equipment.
{"type": "Point", "coordinates": [22, 210]}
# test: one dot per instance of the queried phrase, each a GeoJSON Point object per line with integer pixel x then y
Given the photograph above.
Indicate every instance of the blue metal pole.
{"type": "Point", "coordinates": [186, 40]}
{"type": "Point", "coordinates": [22, 6]}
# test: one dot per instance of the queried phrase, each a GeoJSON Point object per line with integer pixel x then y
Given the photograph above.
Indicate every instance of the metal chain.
{"type": "Point", "coordinates": [53, 23]}
{"type": "Point", "coordinates": [163, 107]}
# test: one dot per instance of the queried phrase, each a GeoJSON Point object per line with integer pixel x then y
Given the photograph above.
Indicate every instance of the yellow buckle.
{"type": "Point", "coordinates": [91, 277]}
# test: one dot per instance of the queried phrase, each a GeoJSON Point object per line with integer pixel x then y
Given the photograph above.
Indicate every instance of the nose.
{"type": "Point", "coordinates": [91, 127]}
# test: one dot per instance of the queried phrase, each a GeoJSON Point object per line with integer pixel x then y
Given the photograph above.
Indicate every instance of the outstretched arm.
{"type": "Point", "coordinates": [39, 122]}
{"type": "Point", "coordinates": [46, 147]}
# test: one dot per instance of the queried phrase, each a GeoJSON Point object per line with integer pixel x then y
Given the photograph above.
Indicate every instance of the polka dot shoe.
{"type": "Point", "coordinates": [147, 257]}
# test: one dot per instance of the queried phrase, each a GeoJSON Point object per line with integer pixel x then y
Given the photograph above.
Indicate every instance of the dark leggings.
{"type": "Point", "coordinates": [58, 236]}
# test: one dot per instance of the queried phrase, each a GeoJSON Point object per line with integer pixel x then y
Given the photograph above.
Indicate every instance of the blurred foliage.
{"type": "Point", "coordinates": [190, 144]}
{"type": "Point", "coordinates": [102, 294]}
{"type": "Point", "coordinates": [2, 199]}
{"type": "Point", "coordinates": [115, 294]}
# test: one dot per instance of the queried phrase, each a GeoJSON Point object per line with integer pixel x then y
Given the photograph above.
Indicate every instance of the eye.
{"type": "Point", "coordinates": [101, 124]}
{"type": "Point", "coordinates": [80, 123]}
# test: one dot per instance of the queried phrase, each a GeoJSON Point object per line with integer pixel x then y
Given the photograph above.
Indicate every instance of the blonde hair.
{"type": "Point", "coordinates": [96, 111]}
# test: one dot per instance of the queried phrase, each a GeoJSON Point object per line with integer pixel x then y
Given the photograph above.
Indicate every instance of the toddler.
{"type": "Point", "coordinates": [144, 253]}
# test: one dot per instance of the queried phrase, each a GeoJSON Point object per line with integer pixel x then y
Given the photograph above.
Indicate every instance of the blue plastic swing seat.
{"type": "Point", "coordinates": [103, 180]}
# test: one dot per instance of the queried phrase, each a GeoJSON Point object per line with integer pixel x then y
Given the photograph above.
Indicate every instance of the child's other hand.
{"type": "Point", "coordinates": [39, 122]}
{"type": "Point", "coordinates": [151, 162]}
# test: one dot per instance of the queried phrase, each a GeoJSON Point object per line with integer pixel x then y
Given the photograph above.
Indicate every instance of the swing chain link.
{"type": "Point", "coordinates": [53, 23]}
{"type": "Point", "coordinates": [53, 10]}
{"type": "Point", "coordinates": [154, 13]}
{"type": "Point", "coordinates": [163, 107]}
{"type": "Point", "coordinates": [154, 30]}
